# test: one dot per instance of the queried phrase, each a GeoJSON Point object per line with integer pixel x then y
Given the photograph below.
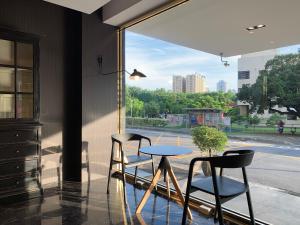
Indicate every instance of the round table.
{"type": "Point", "coordinates": [164, 166]}
{"type": "Point", "coordinates": [165, 150]}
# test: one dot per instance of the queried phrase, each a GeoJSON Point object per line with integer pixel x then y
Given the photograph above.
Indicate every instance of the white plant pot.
{"type": "Point", "coordinates": [207, 170]}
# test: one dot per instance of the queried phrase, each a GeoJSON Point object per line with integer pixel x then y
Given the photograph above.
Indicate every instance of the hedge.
{"type": "Point", "coordinates": [146, 122]}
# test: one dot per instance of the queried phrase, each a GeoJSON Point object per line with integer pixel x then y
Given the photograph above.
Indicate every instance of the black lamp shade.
{"type": "Point", "coordinates": [136, 75]}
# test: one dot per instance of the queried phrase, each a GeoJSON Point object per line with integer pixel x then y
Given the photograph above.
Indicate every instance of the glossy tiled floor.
{"type": "Point", "coordinates": [93, 206]}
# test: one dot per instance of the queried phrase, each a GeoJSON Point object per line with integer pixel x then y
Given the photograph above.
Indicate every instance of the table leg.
{"type": "Point", "coordinates": [164, 164]}
{"type": "Point", "coordinates": [152, 185]}
{"type": "Point", "coordinates": [168, 184]}
{"type": "Point", "coordinates": [177, 188]}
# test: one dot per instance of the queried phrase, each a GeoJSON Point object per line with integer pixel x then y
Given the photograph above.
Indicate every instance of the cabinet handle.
{"type": "Point", "coordinates": [17, 167]}
{"type": "Point", "coordinates": [17, 151]}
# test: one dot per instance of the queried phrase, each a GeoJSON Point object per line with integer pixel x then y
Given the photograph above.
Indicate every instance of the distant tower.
{"type": "Point", "coordinates": [195, 83]}
{"type": "Point", "coordinates": [178, 84]}
{"type": "Point", "coordinates": [221, 86]}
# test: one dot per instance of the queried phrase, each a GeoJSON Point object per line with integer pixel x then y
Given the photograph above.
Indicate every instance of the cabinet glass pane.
{"type": "Point", "coordinates": [24, 80]}
{"type": "Point", "coordinates": [7, 79]}
{"type": "Point", "coordinates": [24, 54]}
{"type": "Point", "coordinates": [25, 106]}
{"type": "Point", "coordinates": [6, 52]}
{"type": "Point", "coordinates": [7, 106]}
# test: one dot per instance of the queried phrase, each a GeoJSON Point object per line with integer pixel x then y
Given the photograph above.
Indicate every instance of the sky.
{"type": "Point", "coordinates": [160, 60]}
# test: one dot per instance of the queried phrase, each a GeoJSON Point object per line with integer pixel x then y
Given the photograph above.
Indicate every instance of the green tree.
{"type": "Point", "coordinates": [277, 85]}
{"type": "Point", "coordinates": [176, 103]}
{"type": "Point", "coordinates": [152, 109]}
{"type": "Point", "coordinates": [135, 107]}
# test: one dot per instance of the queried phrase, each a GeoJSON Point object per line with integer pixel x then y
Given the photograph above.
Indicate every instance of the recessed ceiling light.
{"type": "Point", "coordinates": [252, 28]}
{"type": "Point", "coordinates": [261, 26]}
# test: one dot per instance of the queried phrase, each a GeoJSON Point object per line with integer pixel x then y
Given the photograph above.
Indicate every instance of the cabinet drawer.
{"type": "Point", "coordinates": [8, 184]}
{"type": "Point", "coordinates": [18, 151]}
{"type": "Point", "coordinates": [13, 136]}
{"type": "Point", "coordinates": [18, 167]}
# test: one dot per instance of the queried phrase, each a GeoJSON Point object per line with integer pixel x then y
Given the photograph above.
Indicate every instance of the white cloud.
{"type": "Point", "coordinates": [160, 60]}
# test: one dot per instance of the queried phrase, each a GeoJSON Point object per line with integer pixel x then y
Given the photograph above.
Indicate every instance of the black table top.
{"type": "Point", "coordinates": [165, 150]}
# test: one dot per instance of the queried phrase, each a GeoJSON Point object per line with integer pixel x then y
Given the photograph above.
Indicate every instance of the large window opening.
{"type": "Point", "coordinates": [186, 88]}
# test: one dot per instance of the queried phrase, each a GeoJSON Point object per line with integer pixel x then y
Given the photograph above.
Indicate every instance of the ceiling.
{"type": "Point", "coordinates": [117, 12]}
{"type": "Point", "coordinates": [216, 26]}
{"type": "Point", "coordinates": [85, 6]}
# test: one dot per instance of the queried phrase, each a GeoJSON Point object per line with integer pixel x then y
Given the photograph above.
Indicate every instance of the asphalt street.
{"type": "Point", "coordinates": [275, 166]}
{"type": "Point", "coordinates": [274, 174]}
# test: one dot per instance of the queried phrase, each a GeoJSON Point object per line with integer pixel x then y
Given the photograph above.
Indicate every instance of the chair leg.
{"type": "Point", "coordinates": [108, 179]}
{"type": "Point", "coordinates": [250, 208]}
{"type": "Point", "coordinates": [185, 208]}
{"type": "Point", "coordinates": [248, 197]}
{"type": "Point", "coordinates": [217, 197]}
{"type": "Point", "coordinates": [216, 215]}
{"type": "Point", "coordinates": [187, 193]}
{"type": "Point", "coordinates": [219, 210]}
{"type": "Point", "coordinates": [124, 184]}
{"type": "Point", "coordinates": [135, 174]}
{"type": "Point", "coordinates": [109, 172]}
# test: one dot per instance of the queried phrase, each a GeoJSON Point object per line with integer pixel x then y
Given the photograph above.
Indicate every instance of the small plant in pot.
{"type": "Point", "coordinates": [209, 140]}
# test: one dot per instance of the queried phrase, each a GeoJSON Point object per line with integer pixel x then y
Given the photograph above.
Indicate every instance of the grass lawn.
{"type": "Point", "coordinates": [236, 128]}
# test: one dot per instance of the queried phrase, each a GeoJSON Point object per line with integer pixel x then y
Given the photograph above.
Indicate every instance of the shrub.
{"type": "Point", "coordinates": [254, 120]}
{"type": "Point", "coordinates": [209, 139]}
{"type": "Point", "coordinates": [273, 120]}
{"type": "Point", "coordinates": [146, 122]}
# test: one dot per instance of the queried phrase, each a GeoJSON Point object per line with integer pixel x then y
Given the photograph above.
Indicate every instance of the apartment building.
{"type": "Point", "coordinates": [221, 86]}
{"type": "Point", "coordinates": [249, 67]}
{"type": "Point", "coordinates": [195, 83]}
{"type": "Point", "coordinates": [178, 84]}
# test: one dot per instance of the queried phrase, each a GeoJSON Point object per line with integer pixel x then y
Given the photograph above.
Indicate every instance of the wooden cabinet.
{"type": "Point", "coordinates": [20, 130]}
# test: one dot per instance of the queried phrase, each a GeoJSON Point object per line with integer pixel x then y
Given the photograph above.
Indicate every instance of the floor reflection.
{"type": "Point", "coordinates": [89, 204]}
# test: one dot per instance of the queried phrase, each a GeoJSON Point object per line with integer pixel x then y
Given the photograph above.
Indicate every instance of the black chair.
{"type": "Point", "coordinates": [130, 160]}
{"type": "Point", "coordinates": [223, 188]}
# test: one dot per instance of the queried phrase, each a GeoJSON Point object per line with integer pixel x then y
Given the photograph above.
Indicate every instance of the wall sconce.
{"type": "Point", "coordinates": [135, 75]}
{"type": "Point", "coordinates": [225, 62]}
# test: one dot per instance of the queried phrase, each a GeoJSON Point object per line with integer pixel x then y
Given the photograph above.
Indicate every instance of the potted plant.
{"type": "Point", "coordinates": [209, 141]}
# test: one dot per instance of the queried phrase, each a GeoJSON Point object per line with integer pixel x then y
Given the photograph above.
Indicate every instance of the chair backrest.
{"type": "Point", "coordinates": [233, 159]}
{"type": "Point", "coordinates": [121, 138]}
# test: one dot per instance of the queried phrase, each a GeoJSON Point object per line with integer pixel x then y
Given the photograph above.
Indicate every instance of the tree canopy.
{"type": "Point", "coordinates": [277, 88]}
{"type": "Point", "coordinates": [161, 101]}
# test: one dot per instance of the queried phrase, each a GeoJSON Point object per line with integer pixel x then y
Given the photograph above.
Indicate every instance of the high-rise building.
{"type": "Point", "coordinates": [249, 67]}
{"type": "Point", "coordinates": [221, 86]}
{"type": "Point", "coordinates": [178, 84]}
{"type": "Point", "coordinates": [195, 83]}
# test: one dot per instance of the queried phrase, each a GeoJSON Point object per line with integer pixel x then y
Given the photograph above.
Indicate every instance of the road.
{"type": "Point", "coordinates": [274, 175]}
{"type": "Point", "coordinates": [274, 166]}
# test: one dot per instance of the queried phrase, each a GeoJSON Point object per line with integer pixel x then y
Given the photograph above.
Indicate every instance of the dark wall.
{"type": "Point", "coordinates": [60, 30]}
{"type": "Point", "coordinates": [45, 20]}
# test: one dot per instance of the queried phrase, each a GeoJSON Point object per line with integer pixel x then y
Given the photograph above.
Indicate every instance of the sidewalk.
{"type": "Point", "coordinates": [268, 138]}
